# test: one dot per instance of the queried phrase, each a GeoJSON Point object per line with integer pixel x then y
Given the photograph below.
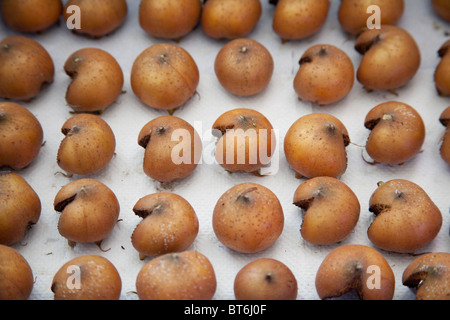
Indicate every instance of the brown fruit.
{"type": "Point", "coordinates": [442, 8]}
{"type": "Point", "coordinates": [441, 75]}
{"type": "Point", "coordinates": [355, 268]}
{"type": "Point", "coordinates": [244, 67]}
{"type": "Point", "coordinates": [265, 279]}
{"type": "Point", "coordinates": [172, 148]}
{"type": "Point", "coordinates": [315, 146]}
{"type": "Point", "coordinates": [97, 80]}
{"type": "Point", "coordinates": [397, 133]}
{"type": "Point", "coordinates": [445, 146]}
{"type": "Point", "coordinates": [326, 75]}
{"type": "Point", "coordinates": [25, 66]}
{"type": "Point", "coordinates": [230, 19]}
{"type": "Point", "coordinates": [164, 76]}
{"type": "Point", "coordinates": [170, 19]}
{"type": "Point", "coordinates": [406, 219]}
{"type": "Point", "coordinates": [353, 14]}
{"type": "Point", "coordinates": [21, 136]}
{"type": "Point", "coordinates": [391, 58]}
{"type": "Point", "coordinates": [248, 218]}
{"type": "Point", "coordinates": [188, 275]}
{"type": "Point", "coordinates": [88, 146]}
{"type": "Point", "coordinates": [299, 19]}
{"type": "Point", "coordinates": [246, 142]}
{"type": "Point", "coordinates": [170, 224]}
{"type": "Point", "coordinates": [16, 276]}
{"type": "Point", "coordinates": [20, 208]}
{"type": "Point", "coordinates": [31, 15]}
{"type": "Point", "coordinates": [88, 277]}
{"type": "Point", "coordinates": [331, 210]}
{"type": "Point", "coordinates": [430, 276]}
{"type": "Point", "coordinates": [89, 211]}
{"type": "Point", "coordinates": [98, 17]}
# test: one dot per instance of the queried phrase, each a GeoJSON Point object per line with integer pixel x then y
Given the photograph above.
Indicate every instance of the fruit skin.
{"type": "Point", "coordinates": [244, 67]}
{"type": "Point", "coordinates": [20, 208]}
{"type": "Point", "coordinates": [159, 137]}
{"type": "Point", "coordinates": [16, 276]}
{"type": "Point", "coordinates": [429, 274]}
{"type": "Point", "coordinates": [445, 145]}
{"type": "Point", "coordinates": [31, 15]}
{"type": "Point", "coordinates": [265, 279]}
{"type": "Point", "coordinates": [88, 146]}
{"type": "Point", "coordinates": [299, 19]}
{"type": "Point", "coordinates": [99, 280]}
{"type": "Point", "coordinates": [230, 19]}
{"type": "Point", "coordinates": [315, 146]}
{"type": "Point", "coordinates": [97, 80]}
{"type": "Point", "coordinates": [406, 218]}
{"type": "Point", "coordinates": [397, 133]}
{"type": "Point", "coordinates": [326, 75]}
{"type": "Point", "coordinates": [170, 19]}
{"type": "Point", "coordinates": [164, 76]}
{"type": "Point", "coordinates": [353, 14]}
{"type": "Point", "coordinates": [442, 8]}
{"type": "Point", "coordinates": [25, 66]}
{"type": "Point", "coordinates": [261, 140]}
{"type": "Point", "coordinates": [22, 136]}
{"type": "Point", "coordinates": [441, 78]}
{"type": "Point", "coordinates": [98, 17]}
{"type": "Point", "coordinates": [89, 211]}
{"type": "Point", "coordinates": [248, 218]}
{"type": "Point", "coordinates": [331, 210]}
{"type": "Point", "coordinates": [169, 224]}
{"type": "Point", "coordinates": [391, 58]}
{"type": "Point", "coordinates": [347, 268]}
{"type": "Point", "coordinates": [188, 275]}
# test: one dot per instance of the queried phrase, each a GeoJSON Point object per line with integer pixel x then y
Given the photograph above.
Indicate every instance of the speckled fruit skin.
{"type": "Point", "coordinates": [429, 274]}
{"type": "Point", "coordinates": [156, 138]}
{"type": "Point", "coordinates": [326, 75]}
{"type": "Point", "coordinates": [21, 136]}
{"type": "Point", "coordinates": [25, 66]}
{"type": "Point", "coordinates": [406, 218]}
{"type": "Point", "coordinates": [244, 67]}
{"type": "Point", "coordinates": [397, 133]}
{"type": "Point", "coordinates": [164, 76]}
{"type": "Point", "coordinates": [188, 275]}
{"type": "Point", "coordinates": [169, 224]}
{"type": "Point", "coordinates": [248, 218]}
{"type": "Point", "coordinates": [391, 58]}
{"type": "Point", "coordinates": [315, 146]}
{"type": "Point", "coordinates": [97, 80]}
{"type": "Point", "coordinates": [349, 267]}
{"type": "Point", "coordinates": [299, 19]}
{"type": "Point", "coordinates": [170, 19]}
{"type": "Point", "coordinates": [99, 279]}
{"type": "Point", "coordinates": [331, 210]}
{"type": "Point", "coordinates": [98, 17]}
{"type": "Point", "coordinates": [265, 279]}
{"type": "Point", "coordinates": [16, 276]}
{"type": "Point", "coordinates": [89, 211]}
{"type": "Point", "coordinates": [246, 140]}
{"type": "Point", "coordinates": [88, 146]}
{"type": "Point", "coordinates": [230, 19]}
{"type": "Point", "coordinates": [31, 15]}
{"type": "Point", "coordinates": [20, 208]}
{"type": "Point", "coordinates": [353, 14]}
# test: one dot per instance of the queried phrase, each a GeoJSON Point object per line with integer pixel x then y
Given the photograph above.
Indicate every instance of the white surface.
{"type": "Point", "coordinates": [47, 251]}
